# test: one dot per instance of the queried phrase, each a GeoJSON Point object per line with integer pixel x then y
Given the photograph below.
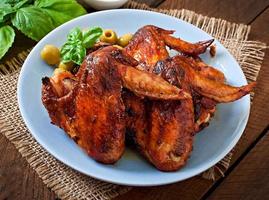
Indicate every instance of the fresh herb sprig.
{"type": "Point", "coordinates": [78, 42]}
{"type": "Point", "coordinates": [33, 18]}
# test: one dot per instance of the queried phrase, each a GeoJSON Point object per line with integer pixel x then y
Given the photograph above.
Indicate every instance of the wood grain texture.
{"type": "Point", "coordinates": [250, 179]}
{"type": "Point", "coordinates": [17, 179]}
{"type": "Point", "coordinates": [239, 11]}
{"type": "Point", "coordinates": [259, 117]}
{"type": "Point", "coordinates": [258, 121]}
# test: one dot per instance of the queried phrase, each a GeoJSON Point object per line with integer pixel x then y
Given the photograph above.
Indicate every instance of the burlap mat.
{"type": "Point", "coordinates": [69, 184]}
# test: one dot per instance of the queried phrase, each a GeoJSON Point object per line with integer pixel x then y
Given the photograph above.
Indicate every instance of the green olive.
{"type": "Point", "coordinates": [125, 39]}
{"type": "Point", "coordinates": [109, 36]}
{"type": "Point", "coordinates": [66, 66]}
{"type": "Point", "coordinates": [58, 71]}
{"type": "Point", "coordinates": [50, 54]}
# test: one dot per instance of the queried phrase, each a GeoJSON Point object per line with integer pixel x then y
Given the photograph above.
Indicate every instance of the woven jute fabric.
{"type": "Point", "coordinates": [66, 182]}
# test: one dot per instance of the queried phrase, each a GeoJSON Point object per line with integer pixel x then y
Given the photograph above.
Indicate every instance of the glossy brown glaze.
{"type": "Point", "coordinates": [218, 91]}
{"type": "Point", "coordinates": [89, 107]}
{"type": "Point", "coordinates": [147, 46]}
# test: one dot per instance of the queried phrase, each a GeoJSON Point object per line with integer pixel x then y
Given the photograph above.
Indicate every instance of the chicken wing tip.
{"type": "Point", "coordinates": [206, 43]}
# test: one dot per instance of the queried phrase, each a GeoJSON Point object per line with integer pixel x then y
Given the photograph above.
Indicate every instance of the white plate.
{"type": "Point", "coordinates": [210, 146]}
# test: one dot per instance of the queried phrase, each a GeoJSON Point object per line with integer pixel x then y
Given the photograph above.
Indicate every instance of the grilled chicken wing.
{"type": "Point", "coordinates": [185, 47]}
{"type": "Point", "coordinates": [218, 91]}
{"type": "Point", "coordinates": [96, 120]}
{"type": "Point", "coordinates": [171, 127]}
{"type": "Point", "coordinates": [204, 107]}
{"type": "Point", "coordinates": [89, 107]}
{"type": "Point", "coordinates": [161, 130]}
{"type": "Point", "coordinates": [205, 70]}
{"type": "Point", "coordinates": [147, 47]}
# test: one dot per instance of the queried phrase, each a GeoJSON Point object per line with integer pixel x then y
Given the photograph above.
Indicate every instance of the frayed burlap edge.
{"type": "Point", "coordinates": [249, 54]}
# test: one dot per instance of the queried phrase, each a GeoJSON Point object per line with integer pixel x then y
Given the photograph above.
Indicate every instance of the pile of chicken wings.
{"type": "Point", "coordinates": [142, 94]}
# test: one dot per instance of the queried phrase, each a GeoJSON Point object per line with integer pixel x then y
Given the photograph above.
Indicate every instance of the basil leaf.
{"type": "Point", "coordinates": [5, 10]}
{"type": "Point", "coordinates": [33, 22]}
{"type": "Point", "coordinates": [75, 34]}
{"type": "Point", "coordinates": [15, 3]}
{"type": "Point", "coordinates": [20, 4]}
{"type": "Point", "coordinates": [73, 49]}
{"type": "Point", "coordinates": [91, 36]}
{"type": "Point", "coordinates": [61, 11]}
{"type": "Point", "coordinates": [73, 52]}
{"type": "Point", "coordinates": [8, 7]}
{"type": "Point", "coordinates": [77, 42]}
{"type": "Point", "coordinates": [7, 36]}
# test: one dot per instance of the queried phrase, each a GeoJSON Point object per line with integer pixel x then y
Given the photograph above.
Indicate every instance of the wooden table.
{"type": "Point", "coordinates": [248, 175]}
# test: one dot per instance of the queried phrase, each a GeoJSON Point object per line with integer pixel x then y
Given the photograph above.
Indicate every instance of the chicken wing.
{"type": "Point", "coordinates": [147, 47]}
{"type": "Point", "coordinates": [161, 130]}
{"type": "Point", "coordinates": [171, 126]}
{"type": "Point", "coordinates": [96, 122]}
{"type": "Point", "coordinates": [185, 47]}
{"type": "Point", "coordinates": [218, 91]}
{"type": "Point", "coordinates": [205, 70]}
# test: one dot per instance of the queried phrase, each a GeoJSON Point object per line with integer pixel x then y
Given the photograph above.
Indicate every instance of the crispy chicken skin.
{"type": "Point", "coordinates": [89, 107]}
{"type": "Point", "coordinates": [147, 47]}
{"type": "Point", "coordinates": [137, 110]}
{"type": "Point", "coordinates": [171, 125]}
{"type": "Point", "coordinates": [205, 70]}
{"type": "Point", "coordinates": [218, 91]}
{"type": "Point", "coordinates": [185, 47]}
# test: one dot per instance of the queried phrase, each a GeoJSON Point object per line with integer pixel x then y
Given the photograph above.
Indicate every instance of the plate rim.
{"type": "Point", "coordinates": [214, 161]}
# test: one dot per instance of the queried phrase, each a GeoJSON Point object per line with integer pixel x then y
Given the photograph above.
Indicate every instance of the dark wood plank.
{"type": "Point", "coordinates": [239, 11]}
{"type": "Point", "coordinates": [250, 179]}
{"type": "Point", "coordinates": [259, 116]}
{"type": "Point", "coordinates": [196, 187]}
{"type": "Point", "coordinates": [17, 179]}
